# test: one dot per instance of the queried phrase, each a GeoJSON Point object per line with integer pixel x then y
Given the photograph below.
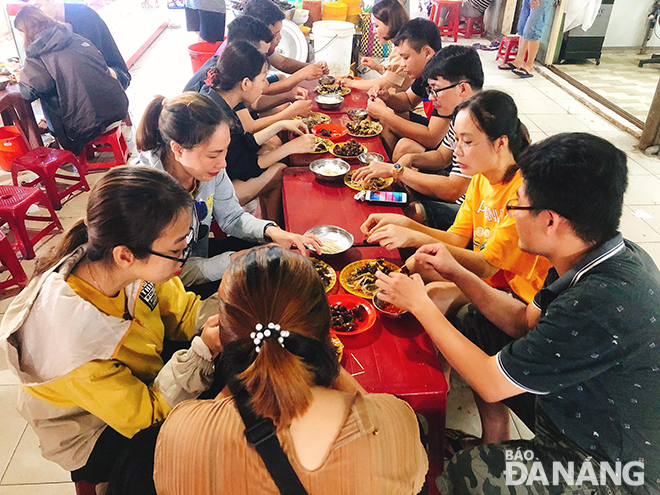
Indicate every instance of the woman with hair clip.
{"type": "Point", "coordinates": [85, 337]}
{"type": "Point", "coordinates": [80, 96]}
{"type": "Point", "coordinates": [188, 137]}
{"type": "Point", "coordinates": [283, 373]}
{"type": "Point", "coordinates": [253, 160]}
{"type": "Point", "coordinates": [387, 17]}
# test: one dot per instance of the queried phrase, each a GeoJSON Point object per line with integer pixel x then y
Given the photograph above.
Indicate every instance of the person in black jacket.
{"type": "Point", "coordinates": [69, 75]}
{"type": "Point", "coordinates": [87, 23]}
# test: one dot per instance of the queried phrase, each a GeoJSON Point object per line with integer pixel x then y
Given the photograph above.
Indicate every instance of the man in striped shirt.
{"type": "Point", "coordinates": [453, 75]}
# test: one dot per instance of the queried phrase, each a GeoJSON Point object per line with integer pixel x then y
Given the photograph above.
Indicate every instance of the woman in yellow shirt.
{"type": "Point", "coordinates": [489, 137]}
{"type": "Point", "coordinates": [85, 337]}
{"type": "Point", "coordinates": [282, 368]}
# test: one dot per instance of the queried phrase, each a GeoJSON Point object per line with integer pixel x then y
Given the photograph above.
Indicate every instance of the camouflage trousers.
{"type": "Point", "coordinates": [483, 470]}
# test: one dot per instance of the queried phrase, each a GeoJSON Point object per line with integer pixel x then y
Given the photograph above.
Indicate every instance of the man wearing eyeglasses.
{"type": "Point", "coordinates": [587, 348]}
{"type": "Point", "coordinates": [453, 75]}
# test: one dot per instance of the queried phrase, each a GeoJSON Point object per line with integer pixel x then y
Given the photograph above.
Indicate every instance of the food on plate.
{"type": "Point", "coordinates": [332, 89]}
{"type": "Point", "coordinates": [330, 247]}
{"type": "Point", "coordinates": [315, 118]}
{"type": "Point", "coordinates": [367, 185]}
{"type": "Point", "coordinates": [346, 320]}
{"type": "Point", "coordinates": [326, 273]}
{"type": "Point", "coordinates": [325, 133]}
{"type": "Point", "coordinates": [361, 278]}
{"type": "Point", "coordinates": [348, 149]}
{"type": "Point", "coordinates": [357, 113]}
{"type": "Point", "coordinates": [364, 128]}
{"type": "Point", "coordinates": [322, 146]}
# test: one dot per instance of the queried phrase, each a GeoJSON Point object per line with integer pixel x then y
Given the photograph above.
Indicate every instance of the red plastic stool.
{"type": "Point", "coordinates": [451, 28]}
{"type": "Point", "coordinates": [10, 262]}
{"type": "Point", "coordinates": [506, 52]}
{"type": "Point", "coordinates": [468, 30]}
{"type": "Point", "coordinates": [14, 204]}
{"type": "Point", "coordinates": [113, 141]}
{"type": "Point", "coordinates": [45, 162]}
{"type": "Point", "coordinates": [84, 488]}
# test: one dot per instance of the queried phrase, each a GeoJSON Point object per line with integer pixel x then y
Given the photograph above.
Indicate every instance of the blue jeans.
{"type": "Point", "coordinates": [532, 22]}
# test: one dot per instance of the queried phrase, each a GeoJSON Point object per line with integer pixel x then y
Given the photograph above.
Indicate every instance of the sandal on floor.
{"type": "Point", "coordinates": [523, 73]}
{"type": "Point", "coordinates": [457, 440]}
{"type": "Point", "coordinates": [507, 66]}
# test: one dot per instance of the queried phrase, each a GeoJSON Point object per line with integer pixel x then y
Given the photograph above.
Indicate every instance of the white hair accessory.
{"type": "Point", "coordinates": [272, 331]}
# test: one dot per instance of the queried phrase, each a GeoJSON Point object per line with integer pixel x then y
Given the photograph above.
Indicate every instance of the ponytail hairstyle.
{"type": "Point", "coordinates": [188, 119]}
{"type": "Point", "coordinates": [238, 61]}
{"type": "Point", "coordinates": [496, 115]}
{"type": "Point", "coordinates": [129, 206]}
{"type": "Point", "coordinates": [31, 21]}
{"type": "Point", "coordinates": [269, 284]}
{"type": "Point", "coordinates": [392, 14]}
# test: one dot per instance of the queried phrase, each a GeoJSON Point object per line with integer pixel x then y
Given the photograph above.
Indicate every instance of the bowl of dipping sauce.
{"type": "Point", "coordinates": [386, 308]}
{"type": "Point", "coordinates": [367, 158]}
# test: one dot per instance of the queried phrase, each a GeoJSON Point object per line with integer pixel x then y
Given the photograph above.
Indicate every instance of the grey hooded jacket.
{"type": "Point", "coordinates": [221, 200]}
{"type": "Point", "coordinates": [70, 76]}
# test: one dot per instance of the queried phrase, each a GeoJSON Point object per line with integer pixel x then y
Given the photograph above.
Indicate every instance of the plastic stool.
{"type": "Point", "coordinates": [10, 262]}
{"type": "Point", "coordinates": [114, 141]}
{"type": "Point", "coordinates": [84, 488]}
{"type": "Point", "coordinates": [45, 162]}
{"type": "Point", "coordinates": [451, 28]}
{"type": "Point", "coordinates": [14, 204]}
{"type": "Point", "coordinates": [506, 52]}
{"type": "Point", "coordinates": [469, 30]}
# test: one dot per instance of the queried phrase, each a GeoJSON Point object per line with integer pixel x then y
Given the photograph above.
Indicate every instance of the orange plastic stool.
{"type": "Point", "coordinates": [468, 30]}
{"type": "Point", "coordinates": [10, 263]}
{"type": "Point", "coordinates": [113, 141]}
{"type": "Point", "coordinates": [45, 162]}
{"type": "Point", "coordinates": [451, 28]}
{"type": "Point", "coordinates": [14, 204]}
{"type": "Point", "coordinates": [506, 52]}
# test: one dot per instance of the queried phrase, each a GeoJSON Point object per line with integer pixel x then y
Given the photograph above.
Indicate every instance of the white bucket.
{"type": "Point", "coordinates": [333, 42]}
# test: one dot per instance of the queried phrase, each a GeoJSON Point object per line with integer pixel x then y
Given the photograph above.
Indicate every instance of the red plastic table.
{"type": "Point", "coordinates": [356, 99]}
{"type": "Point", "coordinates": [396, 356]}
{"type": "Point", "coordinates": [308, 203]}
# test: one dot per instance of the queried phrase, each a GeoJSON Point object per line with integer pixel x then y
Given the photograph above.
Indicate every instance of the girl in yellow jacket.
{"type": "Point", "coordinates": [85, 337]}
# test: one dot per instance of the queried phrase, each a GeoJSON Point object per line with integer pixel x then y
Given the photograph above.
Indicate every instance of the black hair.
{"type": "Point", "coordinates": [419, 33]}
{"type": "Point", "coordinates": [456, 63]}
{"type": "Point", "coordinates": [188, 119]}
{"type": "Point", "coordinates": [581, 177]}
{"type": "Point", "coordinates": [250, 29]}
{"type": "Point", "coordinates": [392, 14]}
{"type": "Point", "coordinates": [264, 10]}
{"type": "Point", "coordinates": [239, 60]}
{"type": "Point", "coordinates": [496, 114]}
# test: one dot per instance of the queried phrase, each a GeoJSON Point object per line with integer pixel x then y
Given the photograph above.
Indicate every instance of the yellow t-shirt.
{"type": "Point", "coordinates": [483, 218]}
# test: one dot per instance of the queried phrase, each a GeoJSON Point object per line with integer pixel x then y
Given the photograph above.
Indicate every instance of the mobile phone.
{"type": "Point", "coordinates": [387, 197]}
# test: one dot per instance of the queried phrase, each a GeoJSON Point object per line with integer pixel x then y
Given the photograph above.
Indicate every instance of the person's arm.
{"type": "Point", "coordinates": [432, 161]}
{"type": "Point", "coordinates": [295, 126]}
{"type": "Point", "coordinates": [35, 81]}
{"type": "Point", "coordinates": [286, 64]}
{"type": "Point", "coordinates": [297, 108]}
{"type": "Point", "coordinates": [428, 136]}
{"type": "Point", "coordinates": [481, 371]}
{"type": "Point", "coordinates": [401, 102]}
{"type": "Point", "coordinates": [396, 231]}
{"type": "Point", "coordinates": [178, 310]}
{"type": "Point", "coordinates": [301, 144]}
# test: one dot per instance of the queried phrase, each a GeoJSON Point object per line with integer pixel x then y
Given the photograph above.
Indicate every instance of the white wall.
{"type": "Point", "coordinates": [628, 24]}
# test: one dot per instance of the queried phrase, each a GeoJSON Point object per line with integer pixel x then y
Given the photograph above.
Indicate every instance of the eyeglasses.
{"type": "Point", "coordinates": [513, 205]}
{"type": "Point", "coordinates": [467, 146]}
{"type": "Point", "coordinates": [435, 92]}
{"type": "Point", "coordinates": [184, 255]}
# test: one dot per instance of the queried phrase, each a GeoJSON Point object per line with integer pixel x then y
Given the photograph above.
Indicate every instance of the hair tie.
{"type": "Point", "coordinates": [210, 75]}
{"type": "Point", "coordinates": [272, 331]}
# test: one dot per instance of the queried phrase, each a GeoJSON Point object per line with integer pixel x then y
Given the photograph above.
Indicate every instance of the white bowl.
{"type": "Point", "coordinates": [300, 16]}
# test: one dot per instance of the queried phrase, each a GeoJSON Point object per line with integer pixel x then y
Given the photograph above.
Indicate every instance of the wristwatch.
{"type": "Point", "coordinates": [267, 237]}
{"type": "Point", "coordinates": [396, 171]}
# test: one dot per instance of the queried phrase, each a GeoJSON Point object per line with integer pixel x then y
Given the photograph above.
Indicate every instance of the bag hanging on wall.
{"type": "Point", "coordinates": [369, 45]}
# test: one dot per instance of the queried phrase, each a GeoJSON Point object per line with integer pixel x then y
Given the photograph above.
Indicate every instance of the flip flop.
{"type": "Point", "coordinates": [522, 73]}
{"type": "Point", "coordinates": [508, 66]}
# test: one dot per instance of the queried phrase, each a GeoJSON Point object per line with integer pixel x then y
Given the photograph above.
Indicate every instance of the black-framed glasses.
{"type": "Point", "coordinates": [434, 92]}
{"type": "Point", "coordinates": [187, 251]}
{"type": "Point", "coordinates": [512, 205]}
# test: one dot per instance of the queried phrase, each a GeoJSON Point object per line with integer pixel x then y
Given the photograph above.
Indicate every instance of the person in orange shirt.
{"type": "Point", "coordinates": [489, 138]}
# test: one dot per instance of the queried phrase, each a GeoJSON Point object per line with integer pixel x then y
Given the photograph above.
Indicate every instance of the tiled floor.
{"type": "Point", "coordinates": [619, 79]}
{"type": "Point", "coordinates": [545, 110]}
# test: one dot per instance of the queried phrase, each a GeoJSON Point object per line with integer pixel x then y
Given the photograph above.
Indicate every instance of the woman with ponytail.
{"type": "Point", "coordinates": [85, 337]}
{"type": "Point", "coordinates": [489, 139]}
{"type": "Point", "coordinates": [254, 160]}
{"type": "Point", "coordinates": [188, 137]}
{"type": "Point", "coordinates": [337, 438]}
